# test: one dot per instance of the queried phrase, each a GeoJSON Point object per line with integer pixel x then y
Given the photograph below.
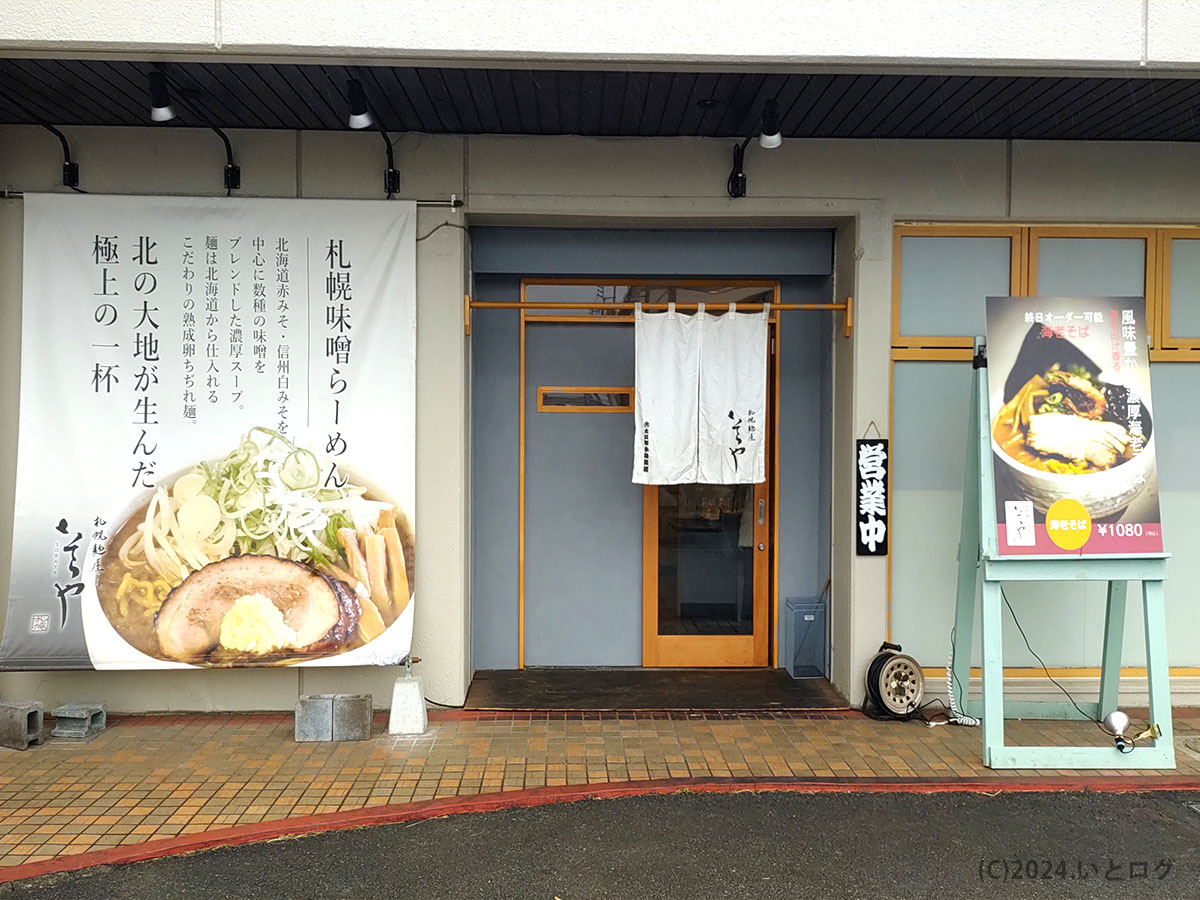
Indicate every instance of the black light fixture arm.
{"type": "Point", "coordinates": [735, 186]}
{"type": "Point", "coordinates": [70, 170]}
{"type": "Point", "coordinates": [767, 130]}
{"type": "Point", "coordinates": [159, 80]}
{"type": "Point", "coordinates": [233, 173]}
{"type": "Point", "coordinates": [391, 178]}
{"type": "Point", "coordinates": [363, 116]}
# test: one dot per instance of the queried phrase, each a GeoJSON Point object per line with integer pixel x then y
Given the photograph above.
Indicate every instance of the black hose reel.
{"type": "Point", "coordinates": [895, 682]}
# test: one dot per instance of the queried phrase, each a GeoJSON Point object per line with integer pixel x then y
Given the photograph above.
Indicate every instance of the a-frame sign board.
{"type": "Point", "coordinates": [980, 565]}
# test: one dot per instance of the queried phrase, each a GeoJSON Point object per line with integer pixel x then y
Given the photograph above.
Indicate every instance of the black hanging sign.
{"type": "Point", "coordinates": [871, 496]}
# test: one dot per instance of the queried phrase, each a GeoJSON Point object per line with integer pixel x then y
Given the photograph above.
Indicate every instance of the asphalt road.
{"type": "Point", "coordinates": [707, 845]}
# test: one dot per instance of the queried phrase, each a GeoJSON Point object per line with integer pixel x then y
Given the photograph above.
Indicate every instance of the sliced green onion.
{"type": "Point", "coordinates": [300, 470]}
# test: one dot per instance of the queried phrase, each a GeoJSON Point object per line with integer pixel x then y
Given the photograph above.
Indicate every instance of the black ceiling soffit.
{"type": "Point", "coordinates": [610, 103]}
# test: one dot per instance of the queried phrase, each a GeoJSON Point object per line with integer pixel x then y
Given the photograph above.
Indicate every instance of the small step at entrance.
{"type": "Point", "coordinates": [657, 689]}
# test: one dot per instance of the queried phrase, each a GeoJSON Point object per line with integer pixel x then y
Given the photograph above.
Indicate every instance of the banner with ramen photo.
{"type": "Point", "coordinates": [1072, 425]}
{"type": "Point", "coordinates": [217, 434]}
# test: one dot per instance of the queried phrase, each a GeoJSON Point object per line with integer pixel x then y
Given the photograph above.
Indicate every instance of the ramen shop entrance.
{"type": "Point", "coordinates": [602, 572]}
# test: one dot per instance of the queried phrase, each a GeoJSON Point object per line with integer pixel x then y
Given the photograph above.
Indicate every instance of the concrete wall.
{"type": "Point", "coordinates": [859, 187]}
{"type": "Point", "coordinates": [1132, 35]}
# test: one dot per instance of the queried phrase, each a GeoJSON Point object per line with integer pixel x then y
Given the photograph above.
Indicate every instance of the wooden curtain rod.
{"type": "Point", "coordinates": [525, 304]}
{"type": "Point", "coordinates": [469, 304]}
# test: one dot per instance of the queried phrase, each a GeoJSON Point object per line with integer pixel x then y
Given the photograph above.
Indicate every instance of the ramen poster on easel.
{"type": "Point", "coordinates": [1072, 426]}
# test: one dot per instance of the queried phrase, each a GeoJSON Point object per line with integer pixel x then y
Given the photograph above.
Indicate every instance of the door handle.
{"type": "Point", "coordinates": [762, 512]}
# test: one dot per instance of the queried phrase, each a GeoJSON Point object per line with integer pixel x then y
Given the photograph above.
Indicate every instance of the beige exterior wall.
{"type": "Point", "coordinates": [860, 187]}
{"type": "Point", "coordinates": [1130, 35]}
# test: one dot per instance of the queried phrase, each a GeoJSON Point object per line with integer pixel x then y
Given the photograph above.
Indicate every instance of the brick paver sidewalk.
{"type": "Point", "coordinates": [153, 777]}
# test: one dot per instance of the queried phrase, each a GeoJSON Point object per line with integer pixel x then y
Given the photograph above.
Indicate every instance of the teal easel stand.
{"type": "Point", "coordinates": [979, 561]}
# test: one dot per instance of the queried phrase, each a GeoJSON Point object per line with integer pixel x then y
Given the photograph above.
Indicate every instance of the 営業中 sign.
{"type": "Point", "coordinates": [871, 497]}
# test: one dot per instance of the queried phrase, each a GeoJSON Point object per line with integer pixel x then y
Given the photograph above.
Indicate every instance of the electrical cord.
{"type": "Point", "coordinates": [436, 228]}
{"type": "Point", "coordinates": [735, 185]}
{"type": "Point", "coordinates": [956, 716]}
{"type": "Point", "coordinates": [948, 717]}
{"type": "Point", "coordinates": [912, 714]}
{"type": "Point", "coordinates": [1045, 668]}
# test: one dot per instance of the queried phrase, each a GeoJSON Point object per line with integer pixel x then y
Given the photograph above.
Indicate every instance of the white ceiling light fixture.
{"type": "Point", "coordinates": [360, 113]}
{"type": "Point", "coordinates": [768, 136]}
{"type": "Point", "coordinates": [160, 98]}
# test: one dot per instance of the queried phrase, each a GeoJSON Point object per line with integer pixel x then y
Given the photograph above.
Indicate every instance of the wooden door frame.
{"type": "Point", "coordinates": [760, 649]}
{"type": "Point", "coordinates": [704, 650]}
{"type": "Point", "coordinates": [770, 629]}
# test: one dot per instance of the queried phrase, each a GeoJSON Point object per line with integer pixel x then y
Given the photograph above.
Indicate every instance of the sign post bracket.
{"type": "Point", "coordinates": [982, 572]}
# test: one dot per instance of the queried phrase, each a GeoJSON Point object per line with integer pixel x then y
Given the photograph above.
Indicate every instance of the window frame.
{"type": "Point", "coordinates": [1163, 345]}
{"type": "Point", "coordinates": [1171, 348]}
{"type": "Point", "coordinates": [1151, 261]}
{"type": "Point", "coordinates": [544, 389]}
{"type": "Point", "coordinates": [950, 347]}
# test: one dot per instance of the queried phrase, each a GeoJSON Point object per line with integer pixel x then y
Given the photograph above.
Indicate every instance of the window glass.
{"type": "Point", "coordinates": [588, 399]}
{"type": "Point", "coordinates": [1185, 289]}
{"type": "Point", "coordinates": [1091, 267]}
{"type": "Point", "coordinates": [944, 280]}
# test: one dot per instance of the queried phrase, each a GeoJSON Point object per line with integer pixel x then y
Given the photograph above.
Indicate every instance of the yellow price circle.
{"type": "Point", "coordinates": [1068, 523]}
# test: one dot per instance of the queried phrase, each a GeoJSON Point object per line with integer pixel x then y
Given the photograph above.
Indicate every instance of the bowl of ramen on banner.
{"type": "Point", "coordinates": [254, 559]}
{"type": "Point", "coordinates": [1063, 430]}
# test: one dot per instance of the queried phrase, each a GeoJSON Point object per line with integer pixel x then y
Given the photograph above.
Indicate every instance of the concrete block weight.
{"type": "Point", "coordinates": [351, 717]}
{"type": "Point", "coordinates": [20, 723]}
{"type": "Point", "coordinates": [314, 717]}
{"type": "Point", "coordinates": [333, 717]}
{"type": "Point", "coordinates": [79, 721]}
{"type": "Point", "coordinates": [408, 707]}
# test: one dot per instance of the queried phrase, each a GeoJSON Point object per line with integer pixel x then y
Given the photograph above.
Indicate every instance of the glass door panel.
{"type": "Point", "coordinates": [705, 575]}
{"type": "Point", "coordinates": [706, 559]}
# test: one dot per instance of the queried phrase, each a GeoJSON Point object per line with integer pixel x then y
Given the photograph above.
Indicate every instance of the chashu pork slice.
{"type": "Point", "coordinates": [321, 611]}
{"type": "Point", "coordinates": [1100, 443]}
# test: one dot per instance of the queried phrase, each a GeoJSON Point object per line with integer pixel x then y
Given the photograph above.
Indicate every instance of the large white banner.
{"type": "Point", "coordinates": [216, 447]}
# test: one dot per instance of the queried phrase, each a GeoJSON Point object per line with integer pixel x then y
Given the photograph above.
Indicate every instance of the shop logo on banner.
{"type": "Point", "coordinates": [871, 490]}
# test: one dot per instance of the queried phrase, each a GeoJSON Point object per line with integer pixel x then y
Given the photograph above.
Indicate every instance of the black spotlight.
{"type": "Point", "coordinates": [361, 117]}
{"type": "Point", "coordinates": [360, 113]}
{"type": "Point", "coordinates": [160, 98]}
